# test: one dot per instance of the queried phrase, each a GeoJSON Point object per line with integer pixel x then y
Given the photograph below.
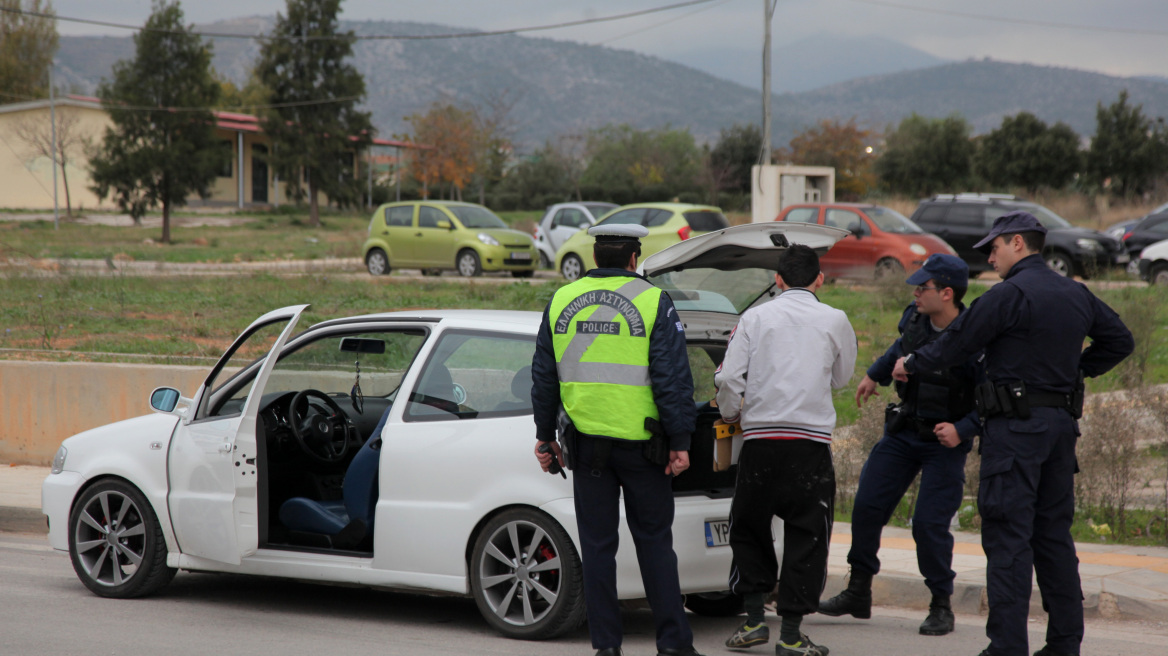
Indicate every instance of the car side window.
{"type": "Point", "coordinates": [656, 218]}
{"type": "Point", "coordinates": [846, 219]}
{"type": "Point", "coordinates": [981, 217]}
{"type": "Point", "coordinates": [569, 218]}
{"type": "Point", "coordinates": [1160, 227]}
{"type": "Point", "coordinates": [399, 216]}
{"type": "Point", "coordinates": [931, 215]}
{"type": "Point", "coordinates": [626, 216]}
{"type": "Point", "coordinates": [231, 381]}
{"type": "Point", "coordinates": [803, 215]}
{"type": "Point", "coordinates": [474, 374]}
{"type": "Point", "coordinates": [428, 217]}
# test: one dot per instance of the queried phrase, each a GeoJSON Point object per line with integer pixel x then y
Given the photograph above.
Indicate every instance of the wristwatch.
{"type": "Point", "coordinates": [908, 362]}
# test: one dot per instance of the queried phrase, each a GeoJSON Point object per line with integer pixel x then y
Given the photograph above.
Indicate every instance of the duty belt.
{"type": "Point", "coordinates": [1049, 400]}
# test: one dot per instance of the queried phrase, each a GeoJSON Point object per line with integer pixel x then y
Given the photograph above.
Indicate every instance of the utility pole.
{"type": "Point", "coordinates": [53, 154]}
{"type": "Point", "coordinates": [768, 8]}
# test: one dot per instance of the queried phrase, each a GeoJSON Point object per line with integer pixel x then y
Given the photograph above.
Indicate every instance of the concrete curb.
{"type": "Point", "coordinates": [902, 591]}
{"type": "Point", "coordinates": [22, 520]}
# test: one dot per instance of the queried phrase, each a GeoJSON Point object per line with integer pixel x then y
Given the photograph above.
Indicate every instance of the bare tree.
{"type": "Point", "coordinates": [37, 136]}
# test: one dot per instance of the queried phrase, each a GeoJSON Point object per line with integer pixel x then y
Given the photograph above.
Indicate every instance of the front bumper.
{"type": "Point", "coordinates": [57, 494]}
{"type": "Point", "coordinates": [513, 258]}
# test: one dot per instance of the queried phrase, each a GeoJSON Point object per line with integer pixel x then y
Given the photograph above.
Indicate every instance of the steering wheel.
{"type": "Point", "coordinates": [323, 438]}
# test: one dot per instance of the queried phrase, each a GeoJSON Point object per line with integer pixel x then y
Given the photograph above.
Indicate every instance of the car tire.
{"type": "Point", "coordinates": [1060, 263]}
{"type": "Point", "coordinates": [1158, 275]}
{"type": "Point", "coordinates": [377, 262]}
{"type": "Point", "coordinates": [523, 274]}
{"type": "Point", "coordinates": [571, 268]}
{"type": "Point", "coordinates": [889, 267]}
{"type": "Point", "coordinates": [468, 263]}
{"type": "Point", "coordinates": [116, 543]}
{"type": "Point", "coordinates": [715, 604]}
{"type": "Point", "coordinates": [515, 599]}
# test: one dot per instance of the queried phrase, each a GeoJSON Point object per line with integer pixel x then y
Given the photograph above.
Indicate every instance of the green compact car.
{"type": "Point", "coordinates": [668, 223]}
{"type": "Point", "coordinates": [434, 235]}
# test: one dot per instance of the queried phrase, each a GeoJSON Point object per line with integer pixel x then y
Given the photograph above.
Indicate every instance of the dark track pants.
{"type": "Point", "coordinates": [887, 474]}
{"type": "Point", "coordinates": [795, 480]}
{"type": "Point", "coordinates": [648, 493]}
{"type": "Point", "coordinates": [1027, 504]}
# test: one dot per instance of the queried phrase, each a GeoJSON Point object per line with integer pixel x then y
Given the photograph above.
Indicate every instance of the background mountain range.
{"type": "Point", "coordinates": [566, 88]}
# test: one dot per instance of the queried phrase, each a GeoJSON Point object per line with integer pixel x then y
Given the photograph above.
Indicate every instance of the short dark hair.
{"type": "Point", "coordinates": [798, 266]}
{"type": "Point", "coordinates": [1034, 240]}
{"type": "Point", "coordinates": [615, 254]}
{"type": "Point", "coordinates": [958, 294]}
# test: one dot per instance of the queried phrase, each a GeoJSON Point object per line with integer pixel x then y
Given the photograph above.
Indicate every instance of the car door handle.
{"type": "Point", "coordinates": [385, 232]}
{"type": "Point", "coordinates": [225, 447]}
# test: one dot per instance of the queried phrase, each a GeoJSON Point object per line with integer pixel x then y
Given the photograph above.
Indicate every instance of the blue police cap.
{"type": "Point", "coordinates": [618, 232]}
{"type": "Point", "coordinates": [947, 270]}
{"type": "Point", "coordinates": [1005, 224]}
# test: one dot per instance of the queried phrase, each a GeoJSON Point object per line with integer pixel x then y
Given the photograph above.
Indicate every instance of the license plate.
{"type": "Point", "coordinates": [1122, 258]}
{"type": "Point", "coordinates": [718, 533]}
{"type": "Point", "coordinates": [520, 255]}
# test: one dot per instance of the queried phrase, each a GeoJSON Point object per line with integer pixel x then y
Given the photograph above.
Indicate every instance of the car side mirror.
{"type": "Point", "coordinates": [166, 400]}
{"type": "Point", "coordinates": [445, 225]}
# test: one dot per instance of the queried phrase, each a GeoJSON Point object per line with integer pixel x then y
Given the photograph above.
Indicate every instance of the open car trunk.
{"type": "Point", "coordinates": [712, 280]}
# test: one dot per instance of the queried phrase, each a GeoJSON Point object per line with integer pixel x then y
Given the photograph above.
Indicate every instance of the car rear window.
{"type": "Point", "coordinates": [626, 216]}
{"type": "Point", "coordinates": [599, 210]}
{"type": "Point", "coordinates": [654, 218]}
{"type": "Point", "coordinates": [706, 221]}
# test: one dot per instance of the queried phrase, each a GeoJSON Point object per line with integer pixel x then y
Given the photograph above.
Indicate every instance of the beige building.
{"type": "Point", "coordinates": [26, 172]}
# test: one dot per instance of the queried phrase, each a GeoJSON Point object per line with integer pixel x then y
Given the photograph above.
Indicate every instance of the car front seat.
{"type": "Point", "coordinates": [347, 522]}
{"type": "Point", "coordinates": [520, 389]}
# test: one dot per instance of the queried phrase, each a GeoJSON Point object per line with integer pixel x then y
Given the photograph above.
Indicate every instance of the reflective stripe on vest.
{"type": "Point", "coordinates": [600, 334]}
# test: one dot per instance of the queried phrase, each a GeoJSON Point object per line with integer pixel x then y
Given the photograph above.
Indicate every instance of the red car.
{"type": "Point", "coordinates": [883, 241]}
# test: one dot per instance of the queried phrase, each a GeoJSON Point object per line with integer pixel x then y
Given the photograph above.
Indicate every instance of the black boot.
{"type": "Point", "coordinates": [856, 600]}
{"type": "Point", "coordinates": [940, 619]}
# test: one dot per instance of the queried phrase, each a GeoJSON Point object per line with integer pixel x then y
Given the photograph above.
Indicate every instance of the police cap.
{"type": "Point", "coordinates": [1005, 224]}
{"type": "Point", "coordinates": [618, 232]}
{"type": "Point", "coordinates": [947, 270]}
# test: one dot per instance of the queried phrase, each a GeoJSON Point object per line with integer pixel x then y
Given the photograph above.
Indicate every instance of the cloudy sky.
{"type": "Point", "coordinates": [1118, 37]}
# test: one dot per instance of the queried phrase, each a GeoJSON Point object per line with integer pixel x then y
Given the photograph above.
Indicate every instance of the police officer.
{"type": "Point", "coordinates": [611, 354]}
{"type": "Point", "coordinates": [1032, 326]}
{"type": "Point", "coordinates": [930, 432]}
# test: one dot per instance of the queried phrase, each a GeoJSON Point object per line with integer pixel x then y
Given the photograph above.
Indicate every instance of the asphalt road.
{"type": "Point", "coordinates": [45, 610]}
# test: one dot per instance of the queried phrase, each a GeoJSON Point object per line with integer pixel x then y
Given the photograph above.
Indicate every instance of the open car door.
{"type": "Point", "coordinates": [212, 458]}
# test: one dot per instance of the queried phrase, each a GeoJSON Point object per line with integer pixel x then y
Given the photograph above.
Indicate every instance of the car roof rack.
{"type": "Point", "coordinates": [974, 196]}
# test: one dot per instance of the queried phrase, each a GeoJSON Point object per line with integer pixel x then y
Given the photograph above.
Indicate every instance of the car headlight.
{"type": "Point", "coordinates": [59, 460]}
{"type": "Point", "coordinates": [1089, 244]}
{"type": "Point", "coordinates": [917, 249]}
{"type": "Point", "coordinates": [487, 239]}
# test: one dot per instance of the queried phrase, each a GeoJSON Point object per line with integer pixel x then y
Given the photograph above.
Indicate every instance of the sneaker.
{"type": "Point", "coordinates": [802, 648]}
{"type": "Point", "coordinates": [748, 636]}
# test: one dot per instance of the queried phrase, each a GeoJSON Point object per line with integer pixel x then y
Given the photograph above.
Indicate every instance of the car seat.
{"type": "Point", "coordinates": [520, 389]}
{"type": "Point", "coordinates": [436, 391]}
{"type": "Point", "coordinates": [347, 522]}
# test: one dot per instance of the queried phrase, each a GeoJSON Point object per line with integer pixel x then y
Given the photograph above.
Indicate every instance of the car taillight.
{"type": "Point", "coordinates": [1126, 235]}
{"type": "Point", "coordinates": [685, 232]}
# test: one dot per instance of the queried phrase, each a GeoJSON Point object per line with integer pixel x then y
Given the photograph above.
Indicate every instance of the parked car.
{"type": "Point", "coordinates": [963, 219]}
{"type": "Point", "coordinates": [881, 241]}
{"type": "Point", "coordinates": [395, 450]}
{"type": "Point", "coordinates": [1153, 264]}
{"type": "Point", "coordinates": [436, 235]}
{"type": "Point", "coordinates": [668, 223]}
{"type": "Point", "coordinates": [1145, 232]}
{"type": "Point", "coordinates": [563, 220]}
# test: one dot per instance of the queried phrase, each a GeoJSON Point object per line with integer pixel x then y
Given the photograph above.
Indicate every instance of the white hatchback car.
{"type": "Point", "coordinates": [395, 450]}
{"type": "Point", "coordinates": [1153, 263]}
{"type": "Point", "coordinates": [563, 220]}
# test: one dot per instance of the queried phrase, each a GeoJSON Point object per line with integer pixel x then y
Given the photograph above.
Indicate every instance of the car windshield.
{"type": "Point", "coordinates": [476, 217]}
{"type": "Point", "coordinates": [715, 290]}
{"type": "Point", "coordinates": [599, 210]}
{"type": "Point", "coordinates": [889, 220]}
{"type": "Point", "coordinates": [706, 221]}
{"type": "Point", "coordinates": [1048, 219]}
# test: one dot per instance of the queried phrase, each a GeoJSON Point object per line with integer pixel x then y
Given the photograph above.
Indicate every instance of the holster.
{"type": "Point", "coordinates": [895, 417]}
{"type": "Point", "coordinates": [1008, 399]}
{"type": "Point", "coordinates": [656, 449]}
{"type": "Point", "coordinates": [567, 436]}
{"type": "Point", "coordinates": [1077, 397]}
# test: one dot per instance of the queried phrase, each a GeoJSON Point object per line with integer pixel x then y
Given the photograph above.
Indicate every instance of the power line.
{"type": "Point", "coordinates": [1015, 21]}
{"type": "Point", "coordinates": [146, 108]}
{"type": "Point", "coordinates": [662, 23]}
{"type": "Point", "coordinates": [366, 37]}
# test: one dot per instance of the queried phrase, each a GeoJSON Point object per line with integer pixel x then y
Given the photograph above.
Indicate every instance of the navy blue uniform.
{"type": "Point", "coordinates": [895, 461]}
{"type": "Point", "coordinates": [1032, 326]}
{"type": "Point", "coordinates": [648, 490]}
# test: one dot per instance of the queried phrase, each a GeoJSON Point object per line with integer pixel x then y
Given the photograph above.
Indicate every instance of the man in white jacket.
{"type": "Point", "coordinates": [782, 362]}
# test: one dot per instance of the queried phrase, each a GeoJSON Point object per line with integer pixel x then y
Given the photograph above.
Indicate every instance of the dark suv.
{"type": "Point", "coordinates": [963, 219]}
